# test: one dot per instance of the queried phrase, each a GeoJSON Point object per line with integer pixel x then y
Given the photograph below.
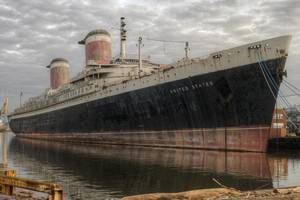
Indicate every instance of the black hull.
{"type": "Point", "coordinates": [237, 97]}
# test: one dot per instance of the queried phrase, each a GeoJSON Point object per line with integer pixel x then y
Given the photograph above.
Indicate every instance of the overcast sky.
{"type": "Point", "coordinates": [33, 32]}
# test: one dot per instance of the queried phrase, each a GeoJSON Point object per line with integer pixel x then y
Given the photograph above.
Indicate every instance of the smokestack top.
{"type": "Point", "coordinates": [94, 32]}
{"type": "Point", "coordinates": [59, 60]}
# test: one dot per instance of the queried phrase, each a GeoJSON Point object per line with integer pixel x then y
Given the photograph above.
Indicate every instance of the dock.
{"type": "Point", "coordinates": [284, 143]}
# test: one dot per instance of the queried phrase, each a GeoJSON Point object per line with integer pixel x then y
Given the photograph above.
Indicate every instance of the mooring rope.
{"type": "Point", "coordinates": [274, 83]}
{"type": "Point", "coordinates": [265, 78]}
{"type": "Point", "coordinates": [260, 63]}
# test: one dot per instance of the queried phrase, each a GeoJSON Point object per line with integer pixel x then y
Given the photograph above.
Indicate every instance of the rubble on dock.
{"type": "Point", "coordinates": [222, 194]}
{"type": "Point", "coordinates": [24, 194]}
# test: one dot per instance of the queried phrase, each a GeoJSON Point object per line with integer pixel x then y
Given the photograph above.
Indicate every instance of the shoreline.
{"type": "Point", "coordinates": [223, 193]}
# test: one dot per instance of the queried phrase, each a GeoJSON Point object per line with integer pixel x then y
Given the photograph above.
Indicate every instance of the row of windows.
{"type": "Point", "coordinates": [81, 91]}
{"type": "Point", "coordinates": [278, 116]}
{"type": "Point", "coordinates": [77, 92]}
{"type": "Point", "coordinates": [173, 91]}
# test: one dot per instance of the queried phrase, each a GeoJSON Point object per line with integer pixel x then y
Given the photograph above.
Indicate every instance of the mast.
{"type": "Point", "coordinates": [187, 49]}
{"type": "Point", "coordinates": [140, 55]}
{"type": "Point", "coordinates": [122, 38]}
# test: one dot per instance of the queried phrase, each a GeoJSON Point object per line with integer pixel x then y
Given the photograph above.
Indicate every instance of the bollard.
{"type": "Point", "coordinates": [57, 193]}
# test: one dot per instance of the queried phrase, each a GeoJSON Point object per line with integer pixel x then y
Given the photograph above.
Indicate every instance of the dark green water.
{"type": "Point", "coordinates": [105, 172]}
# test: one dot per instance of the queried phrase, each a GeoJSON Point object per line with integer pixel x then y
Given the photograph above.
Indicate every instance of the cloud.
{"type": "Point", "coordinates": [34, 32]}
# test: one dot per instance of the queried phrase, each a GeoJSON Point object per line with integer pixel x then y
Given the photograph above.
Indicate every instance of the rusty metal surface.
{"type": "Point", "coordinates": [59, 76]}
{"type": "Point", "coordinates": [252, 139]}
{"type": "Point", "coordinates": [99, 52]}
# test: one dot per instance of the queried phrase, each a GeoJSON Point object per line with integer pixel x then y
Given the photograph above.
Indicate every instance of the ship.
{"type": "Point", "coordinates": [223, 101]}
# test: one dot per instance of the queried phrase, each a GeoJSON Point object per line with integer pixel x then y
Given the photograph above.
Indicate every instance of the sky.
{"type": "Point", "coordinates": [33, 32]}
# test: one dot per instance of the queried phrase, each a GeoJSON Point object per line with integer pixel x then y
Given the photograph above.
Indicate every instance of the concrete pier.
{"type": "Point", "coordinates": [284, 143]}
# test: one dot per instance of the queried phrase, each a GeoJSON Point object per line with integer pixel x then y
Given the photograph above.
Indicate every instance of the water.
{"type": "Point", "coordinates": [93, 172]}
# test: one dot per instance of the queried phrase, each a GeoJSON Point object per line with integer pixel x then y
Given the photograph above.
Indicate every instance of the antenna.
{"type": "Point", "coordinates": [122, 38]}
{"type": "Point", "coordinates": [140, 55]}
{"type": "Point", "coordinates": [21, 94]}
{"type": "Point", "coordinates": [187, 49]}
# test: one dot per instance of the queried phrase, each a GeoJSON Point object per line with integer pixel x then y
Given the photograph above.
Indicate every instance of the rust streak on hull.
{"type": "Point", "coordinates": [252, 139]}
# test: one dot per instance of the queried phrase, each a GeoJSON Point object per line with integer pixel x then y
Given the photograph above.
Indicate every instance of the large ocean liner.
{"type": "Point", "coordinates": [222, 101]}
